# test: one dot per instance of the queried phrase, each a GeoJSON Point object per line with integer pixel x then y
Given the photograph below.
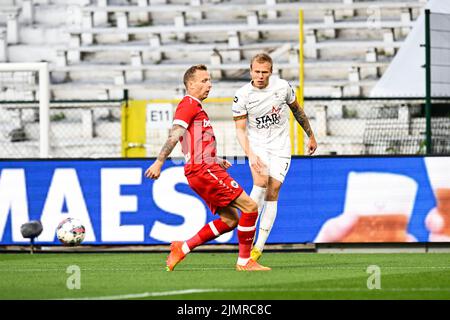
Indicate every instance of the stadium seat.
{"type": "Point", "coordinates": [97, 49]}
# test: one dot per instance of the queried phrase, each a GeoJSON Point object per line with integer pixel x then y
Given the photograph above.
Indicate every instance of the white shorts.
{"type": "Point", "coordinates": [277, 165]}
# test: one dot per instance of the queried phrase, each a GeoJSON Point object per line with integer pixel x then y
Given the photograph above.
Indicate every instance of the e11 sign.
{"type": "Point", "coordinates": [159, 115]}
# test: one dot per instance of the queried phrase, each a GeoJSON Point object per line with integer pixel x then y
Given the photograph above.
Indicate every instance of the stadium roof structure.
{"type": "Point", "coordinates": [405, 76]}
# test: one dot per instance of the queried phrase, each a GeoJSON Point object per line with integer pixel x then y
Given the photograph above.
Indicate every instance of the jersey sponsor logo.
{"type": "Point", "coordinates": [267, 121]}
{"type": "Point", "coordinates": [234, 184]}
{"type": "Point", "coordinates": [276, 110]}
{"type": "Point", "coordinates": [206, 123]}
{"type": "Point", "coordinates": [236, 111]}
{"type": "Point", "coordinates": [270, 119]}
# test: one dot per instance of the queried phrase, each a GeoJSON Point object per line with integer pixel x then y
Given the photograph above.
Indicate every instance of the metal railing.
{"type": "Point", "coordinates": [77, 129]}
{"type": "Point", "coordinates": [343, 126]}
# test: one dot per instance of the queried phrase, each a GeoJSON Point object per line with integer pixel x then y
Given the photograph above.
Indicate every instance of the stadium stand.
{"type": "Point", "coordinates": [99, 48]}
{"type": "Point", "coordinates": [140, 35]}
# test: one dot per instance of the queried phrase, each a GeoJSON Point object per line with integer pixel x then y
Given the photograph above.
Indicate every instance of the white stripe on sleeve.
{"type": "Point", "coordinates": [180, 123]}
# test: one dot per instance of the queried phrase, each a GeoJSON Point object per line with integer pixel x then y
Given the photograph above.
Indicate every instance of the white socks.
{"type": "Point", "coordinates": [267, 219]}
{"type": "Point", "coordinates": [267, 213]}
{"type": "Point", "coordinates": [258, 195]}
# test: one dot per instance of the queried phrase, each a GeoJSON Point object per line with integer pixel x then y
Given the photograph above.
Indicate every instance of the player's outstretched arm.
{"type": "Point", "coordinates": [302, 119]}
{"type": "Point", "coordinates": [154, 170]}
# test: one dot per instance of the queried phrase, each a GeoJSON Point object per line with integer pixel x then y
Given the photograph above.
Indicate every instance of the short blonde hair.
{"type": "Point", "coordinates": [261, 58]}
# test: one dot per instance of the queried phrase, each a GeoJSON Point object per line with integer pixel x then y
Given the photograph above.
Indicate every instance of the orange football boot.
{"type": "Point", "coordinates": [252, 265]}
{"type": "Point", "coordinates": [175, 256]}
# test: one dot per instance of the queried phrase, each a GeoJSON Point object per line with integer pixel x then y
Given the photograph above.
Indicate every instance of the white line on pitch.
{"type": "Point", "coordinates": [193, 291]}
{"type": "Point", "coordinates": [12, 269]}
{"type": "Point", "coordinates": [146, 294]}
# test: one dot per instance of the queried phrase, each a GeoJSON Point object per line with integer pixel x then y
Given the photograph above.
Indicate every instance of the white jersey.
{"type": "Point", "coordinates": [267, 113]}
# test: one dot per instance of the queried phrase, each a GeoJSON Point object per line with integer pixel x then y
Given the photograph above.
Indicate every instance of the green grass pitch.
{"type": "Point", "coordinates": [211, 276]}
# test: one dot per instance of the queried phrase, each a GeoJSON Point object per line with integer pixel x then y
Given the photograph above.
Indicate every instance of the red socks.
{"type": "Point", "coordinates": [209, 232]}
{"type": "Point", "coordinates": [246, 234]}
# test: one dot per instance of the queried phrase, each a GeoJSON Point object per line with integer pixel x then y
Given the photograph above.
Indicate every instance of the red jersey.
{"type": "Point", "coordinates": [198, 144]}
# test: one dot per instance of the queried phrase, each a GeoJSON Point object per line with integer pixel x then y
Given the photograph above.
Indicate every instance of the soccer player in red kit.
{"type": "Point", "coordinates": [207, 176]}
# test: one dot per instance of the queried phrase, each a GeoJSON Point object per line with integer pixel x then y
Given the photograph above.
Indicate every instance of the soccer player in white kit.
{"type": "Point", "coordinates": [261, 115]}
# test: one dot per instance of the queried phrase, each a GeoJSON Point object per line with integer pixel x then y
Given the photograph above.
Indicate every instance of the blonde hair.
{"type": "Point", "coordinates": [261, 58]}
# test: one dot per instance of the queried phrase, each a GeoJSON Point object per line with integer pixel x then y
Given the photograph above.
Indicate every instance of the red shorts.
{"type": "Point", "coordinates": [214, 185]}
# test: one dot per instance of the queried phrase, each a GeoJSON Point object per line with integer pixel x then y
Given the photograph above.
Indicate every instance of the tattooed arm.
{"type": "Point", "coordinates": [302, 119]}
{"type": "Point", "coordinates": [154, 170]}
